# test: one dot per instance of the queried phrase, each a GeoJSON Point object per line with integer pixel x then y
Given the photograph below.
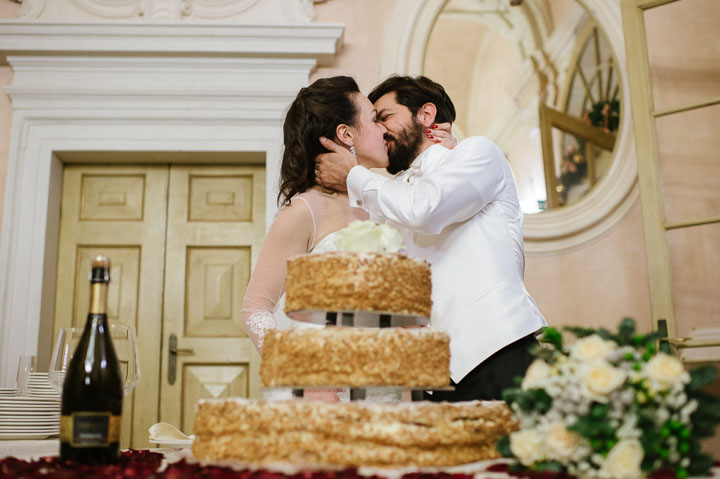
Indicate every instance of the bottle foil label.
{"type": "Point", "coordinates": [90, 429]}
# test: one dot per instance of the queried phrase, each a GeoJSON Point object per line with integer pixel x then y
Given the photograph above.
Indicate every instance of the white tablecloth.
{"type": "Point", "coordinates": [30, 449]}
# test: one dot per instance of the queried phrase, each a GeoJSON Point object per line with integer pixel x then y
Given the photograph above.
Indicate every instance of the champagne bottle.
{"type": "Point", "coordinates": [93, 389]}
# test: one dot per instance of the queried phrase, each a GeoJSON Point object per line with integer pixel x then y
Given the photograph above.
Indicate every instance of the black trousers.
{"type": "Point", "coordinates": [489, 378]}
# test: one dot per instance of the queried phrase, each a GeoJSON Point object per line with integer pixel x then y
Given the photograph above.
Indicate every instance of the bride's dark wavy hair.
{"type": "Point", "coordinates": [316, 111]}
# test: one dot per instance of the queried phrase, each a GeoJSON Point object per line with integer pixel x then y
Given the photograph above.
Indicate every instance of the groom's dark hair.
{"type": "Point", "coordinates": [414, 93]}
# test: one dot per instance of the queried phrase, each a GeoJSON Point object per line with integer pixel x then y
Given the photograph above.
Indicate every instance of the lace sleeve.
{"type": "Point", "coordinates": [290, 234]}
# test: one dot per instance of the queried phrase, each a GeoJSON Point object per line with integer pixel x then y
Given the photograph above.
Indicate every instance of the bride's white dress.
{"type": "Point", "coordinates": [264, 303]}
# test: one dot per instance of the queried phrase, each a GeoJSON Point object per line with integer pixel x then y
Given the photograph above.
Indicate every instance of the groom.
{"type": "Point", "coordinates": [459, 210]}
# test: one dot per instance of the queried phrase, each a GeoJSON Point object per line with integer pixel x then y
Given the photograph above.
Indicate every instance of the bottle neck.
{"type": "Point", "coordinates": [98, 298]}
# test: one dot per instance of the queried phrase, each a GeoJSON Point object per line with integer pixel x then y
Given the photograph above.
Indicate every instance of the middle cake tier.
{"type": "Point", "coordinates": [356, 357]}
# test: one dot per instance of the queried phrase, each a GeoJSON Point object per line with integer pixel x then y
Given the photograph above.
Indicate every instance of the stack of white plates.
{"type": "Point", "coordinates": [38, 386]}
{"type": "Point", "coordinates": [9, 392]}
{"type": "Point", "coordinates": [35, 415]}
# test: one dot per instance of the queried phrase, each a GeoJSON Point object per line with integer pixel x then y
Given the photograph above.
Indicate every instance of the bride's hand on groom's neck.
{"type": "Point", "coordinates": [331, 169]}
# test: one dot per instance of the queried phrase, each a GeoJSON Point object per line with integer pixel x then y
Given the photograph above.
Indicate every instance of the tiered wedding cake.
{"type": "Point", "coordinates": [356, 433]}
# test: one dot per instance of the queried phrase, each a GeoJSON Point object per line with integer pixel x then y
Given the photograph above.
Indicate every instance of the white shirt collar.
{"type": "Point", "coordinates": [417, 162]}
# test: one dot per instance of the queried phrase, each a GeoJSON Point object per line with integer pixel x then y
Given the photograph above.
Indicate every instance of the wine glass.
{"type": "Point", "coordinates": [124, 341]}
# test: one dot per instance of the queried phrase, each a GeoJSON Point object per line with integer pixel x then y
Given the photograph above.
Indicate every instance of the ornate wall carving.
{"type": "Point", "coordinates": [112, 8]}
{"type": "Point", "coordinates": [226, 11]}
{"type": "Point", "coordinates": [215, 8]}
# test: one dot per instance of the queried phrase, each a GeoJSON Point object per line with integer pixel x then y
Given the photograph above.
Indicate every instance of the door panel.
{"type": "Point", "coordinates": [214, 276]}
{"type": "Point", "coordinates": [123, 291]}
{"type": "Point", "coordinates": [211, 381]}
{"type": "Point", "coordinates": [119, 212]}
{"type": "Point", "coordinates": [215, 229]}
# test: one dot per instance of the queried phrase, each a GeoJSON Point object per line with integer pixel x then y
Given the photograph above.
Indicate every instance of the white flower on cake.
{"type": "Point", "coordinates": [368, 237]}
{"type": "Point", "coordinates": [536, 374]}
{"type": "Point", "coordinates": [600, 379]}
{"type": "Point", "coordinates": [591, 348]}
{"type": "Point", "coordinates": [623, 461]}
{"type": "Point", "coordinates": [560, 444]}
{"type": "Point", "coordinates": [527, 446]}
{"type": "Point", "coordinates": [665, 370]}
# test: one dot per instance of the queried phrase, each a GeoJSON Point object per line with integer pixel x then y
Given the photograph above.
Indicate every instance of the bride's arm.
{"type": "Point", "coordinates": [291, 234]}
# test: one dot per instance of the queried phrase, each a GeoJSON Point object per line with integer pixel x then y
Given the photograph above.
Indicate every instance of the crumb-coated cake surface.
{"type": "Point", "coordinates": [349, 434]}
{"type": "Point", "coordinates": [342, 281]}
{"type": "Point", "coordinates": [356, 357]}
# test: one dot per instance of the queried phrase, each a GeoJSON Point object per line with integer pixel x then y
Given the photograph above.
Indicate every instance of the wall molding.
{"type": "Point", "coordinates": [225, 11]}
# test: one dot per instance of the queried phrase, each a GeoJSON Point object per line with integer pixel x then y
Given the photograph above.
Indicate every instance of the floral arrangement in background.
{"type": "Point", "coordinates": [610, 406]}
{"type": "Point", "coordinates": [605, 115]}
{"type": "Point", "coordinates": [573, 169]}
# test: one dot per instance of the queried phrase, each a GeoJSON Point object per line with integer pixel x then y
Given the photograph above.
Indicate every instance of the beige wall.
{"type": "Point", "coordinates": [597, 285]}
{"type": "Point", "coordinates": [361, 54]}
{"type": "Point", "coordinates": [8, 9]}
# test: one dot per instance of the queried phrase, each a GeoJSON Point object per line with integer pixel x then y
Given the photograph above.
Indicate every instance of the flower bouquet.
{"type": "Point", "coordinates": [611, 406]}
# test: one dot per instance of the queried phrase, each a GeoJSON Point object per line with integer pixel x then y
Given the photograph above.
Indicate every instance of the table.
{"type": "Point", "coordinates": [33, 450]}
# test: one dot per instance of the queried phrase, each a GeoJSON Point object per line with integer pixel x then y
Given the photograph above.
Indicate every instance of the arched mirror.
{"type": "Point", "coordinates": [539, 78]}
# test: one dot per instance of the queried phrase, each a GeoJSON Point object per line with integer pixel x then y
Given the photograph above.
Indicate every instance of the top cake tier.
{"type": "Point", "coordinates": [341, 281]}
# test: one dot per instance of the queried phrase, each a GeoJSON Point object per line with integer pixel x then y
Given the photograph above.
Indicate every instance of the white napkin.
{"type": "Point", "coordinates": [164, 433]}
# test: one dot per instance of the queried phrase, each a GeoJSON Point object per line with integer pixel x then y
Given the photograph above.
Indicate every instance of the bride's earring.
{"type": "Point", "coordinates": [352, 150]}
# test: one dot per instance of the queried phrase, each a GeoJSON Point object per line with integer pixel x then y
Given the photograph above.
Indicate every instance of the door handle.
{"type": "Point", "coordinates": [172, 357]}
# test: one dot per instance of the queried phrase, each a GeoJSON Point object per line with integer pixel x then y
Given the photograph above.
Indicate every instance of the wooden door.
{"type": "Point", "coordinates": [215, 228]}
{"type": "Point", "coordinates": [208, 224]}
{"type": "Point", "coordinates": [119, 212]}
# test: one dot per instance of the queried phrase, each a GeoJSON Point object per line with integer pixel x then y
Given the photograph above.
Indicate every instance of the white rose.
{"type": "Point", "coordinates": [536, 374]}
{"type": "Point", "coordinates": [623, 461]}
{"type": "Point", "coordinates": [591, 347]}
{"type": "Point", "coordinates": [560, 444]}
{"type": "Point", "coordinates": [527, 446]}
{"type": "Point", "coordinates": [392, 240]}
{"type": "Point", "coordinates": [367, 237]}
{"type": "Point", "coordinates": [600, 379]}
{"type": "Point", "coordinates": [665, 369]}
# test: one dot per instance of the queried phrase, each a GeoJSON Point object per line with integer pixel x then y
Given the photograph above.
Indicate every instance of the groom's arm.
{"type": "Point", "coordinates": [461, 187]}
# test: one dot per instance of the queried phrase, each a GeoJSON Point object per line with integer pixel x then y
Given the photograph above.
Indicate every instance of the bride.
{"type": "Point", "coordinates": [309, 213]}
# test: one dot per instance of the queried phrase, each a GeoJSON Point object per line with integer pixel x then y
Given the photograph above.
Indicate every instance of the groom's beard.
{"type": "Point", "coordinates": [404, 148]}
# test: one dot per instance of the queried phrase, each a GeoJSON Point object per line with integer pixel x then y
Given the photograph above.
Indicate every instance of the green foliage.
{"type": "Point", "coordinates": [549, 355]}
{"type": "Point", "coordinates": [702, 376]}
{"type": "Point", "coordinates": [627, 335]}
{"type": "Point", "coordinates": [503, 446]}
{"type": "Point", "coordinates": [626, 331]}
{"type": "Point", "coordinates": [707, 414]}
{"type": "Point", "coordinates": [595, 428]}
{"type": "Point", "coordinates": [579, 332]}
{"type": "Point", "coordinates": [700, 465]}
{"type": "Point", "coordinates": [531, 400]}
{"type": "Point", "coordinates": [553, 337]}
{"type": "Point", "coordinates": [549, 466]}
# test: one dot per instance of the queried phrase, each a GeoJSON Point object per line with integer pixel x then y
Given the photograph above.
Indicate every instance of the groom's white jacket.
{"type": "Point", "coordinates": [459, 210]}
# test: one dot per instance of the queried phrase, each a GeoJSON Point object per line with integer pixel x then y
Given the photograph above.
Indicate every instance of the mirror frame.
{"type": "Point", "coordinates": [564, 229]}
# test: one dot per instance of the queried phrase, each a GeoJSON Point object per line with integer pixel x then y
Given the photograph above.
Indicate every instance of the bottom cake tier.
{"type": "Point", "coordinates": [349, 434]}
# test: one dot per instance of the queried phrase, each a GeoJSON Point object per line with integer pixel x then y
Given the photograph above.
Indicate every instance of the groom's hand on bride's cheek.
{"type": "Point", "coordinates": [331, 169]}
